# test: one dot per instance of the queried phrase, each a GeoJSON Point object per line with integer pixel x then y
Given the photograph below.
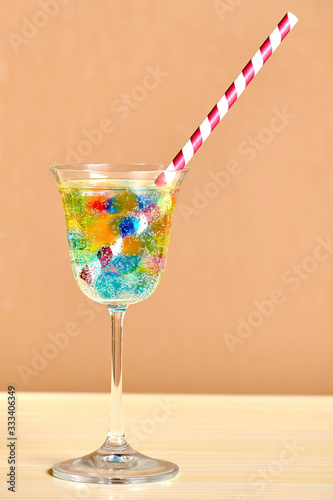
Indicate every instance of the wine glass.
{"type": "Point", "coordinates": [118, 226]}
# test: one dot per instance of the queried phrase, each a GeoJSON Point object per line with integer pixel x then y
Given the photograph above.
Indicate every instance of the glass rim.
{"type": "Point", "coordinates": [107, 167]}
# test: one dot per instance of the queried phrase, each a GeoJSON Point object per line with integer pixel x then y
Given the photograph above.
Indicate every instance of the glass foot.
{"type": "Point", "coordinates": [123, 465]}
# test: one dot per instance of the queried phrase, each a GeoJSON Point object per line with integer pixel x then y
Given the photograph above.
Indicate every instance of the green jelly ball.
{"type": "Point", "coordinates": [125, 202]}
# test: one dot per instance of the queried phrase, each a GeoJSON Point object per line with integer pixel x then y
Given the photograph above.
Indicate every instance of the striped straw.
{"type": "Point", "coordinates": [229, 98]}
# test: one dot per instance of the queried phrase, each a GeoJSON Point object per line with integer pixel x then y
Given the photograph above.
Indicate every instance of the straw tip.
{"type": "Point", "coordinates": [161, 180]}
{"type": "Point", "coordinates": [292, 20]}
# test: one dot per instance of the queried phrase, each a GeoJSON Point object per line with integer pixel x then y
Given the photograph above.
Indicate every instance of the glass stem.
{"type": "Point", "coordinates": [116, 435]}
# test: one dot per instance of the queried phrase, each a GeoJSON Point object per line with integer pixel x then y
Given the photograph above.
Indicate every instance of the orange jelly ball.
{"type": "Point", "coordinates": [131, 245]}
{"type": "Point", "coordinates": [101, 233]}
{"type": "Point", "coordinates": [161, 224]}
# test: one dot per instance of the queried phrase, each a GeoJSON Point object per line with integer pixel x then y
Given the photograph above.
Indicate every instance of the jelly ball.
{"type": "Point", "coordinates": [110, 285]}
{"type": "Point", "coordinates": [77, 242]}
{"type": "Point", "coordinates": [101, 233]}
{"type": "Point", "coordinates": [80, 248]}
{"type": "Point", "coordinates": [125, 201]}
{"type": "Point", "coordinates": [151, 213]}
{"type": "Point", "coordinates": [97, 203]}
{"type": "Point", "coordinates": [128, 225]}
{"type": "Point", "coordinates": [110, 206]}
{"type": "Point", "coordinates": [162, 242]}
{"type": "Point", "coordinates": [73, 201]}
{"type": "Point", "coordinates": [131, 245]}
{"type": "Point", "coordinates": [174, 195]}
{"type": "Point", "coordinates": [86, 275]}
{"type": "Point", "coordinates": [105, 255]}
{"type": "Point", "coordinates": [114, 223]}
{"type": "Point", "coordinates": [165, 203]}
{"type": "Point", "coordinates": [150, 243]}
{"type": "Point", "coordinates": [126, 264]}
{"type": "Point", "coordinates": [144, 201]}
{"type": "Point", "coordinates": [141, 285]}
{"type": "Point", "coordinates": [155, 265]}
{"type": "Point", "coordinates": [161, 224]}
{"type": "Point", "coordinates": [87, 219]}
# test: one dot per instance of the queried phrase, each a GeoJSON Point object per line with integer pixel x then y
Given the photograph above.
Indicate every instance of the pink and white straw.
{"type": "Point", "coordinates": [229, 98]}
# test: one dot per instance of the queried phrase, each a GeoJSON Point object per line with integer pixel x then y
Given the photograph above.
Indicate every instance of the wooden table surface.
{"type": "Point", "coordinates": [227, 447]}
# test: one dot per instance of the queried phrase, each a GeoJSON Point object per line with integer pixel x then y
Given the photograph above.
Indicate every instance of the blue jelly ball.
{"type": "Point", "coordinates": [126, 264]}
{"type": "Point", "coordinates": [144, 202]}
{"type": "Point", "coordinates": [110, 206]}
{"type": "Point", "coordinates": [110, 285]}
{"type": "Point", "coordinates": [128, 225]}
{"type": "Point", "coordinates": [140, 285]}
{"type": "Point", "coordinates": [76, 241]}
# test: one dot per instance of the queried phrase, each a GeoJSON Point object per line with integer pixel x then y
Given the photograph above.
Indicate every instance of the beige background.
{"type": "Point", "coordinates": [61, 75]}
